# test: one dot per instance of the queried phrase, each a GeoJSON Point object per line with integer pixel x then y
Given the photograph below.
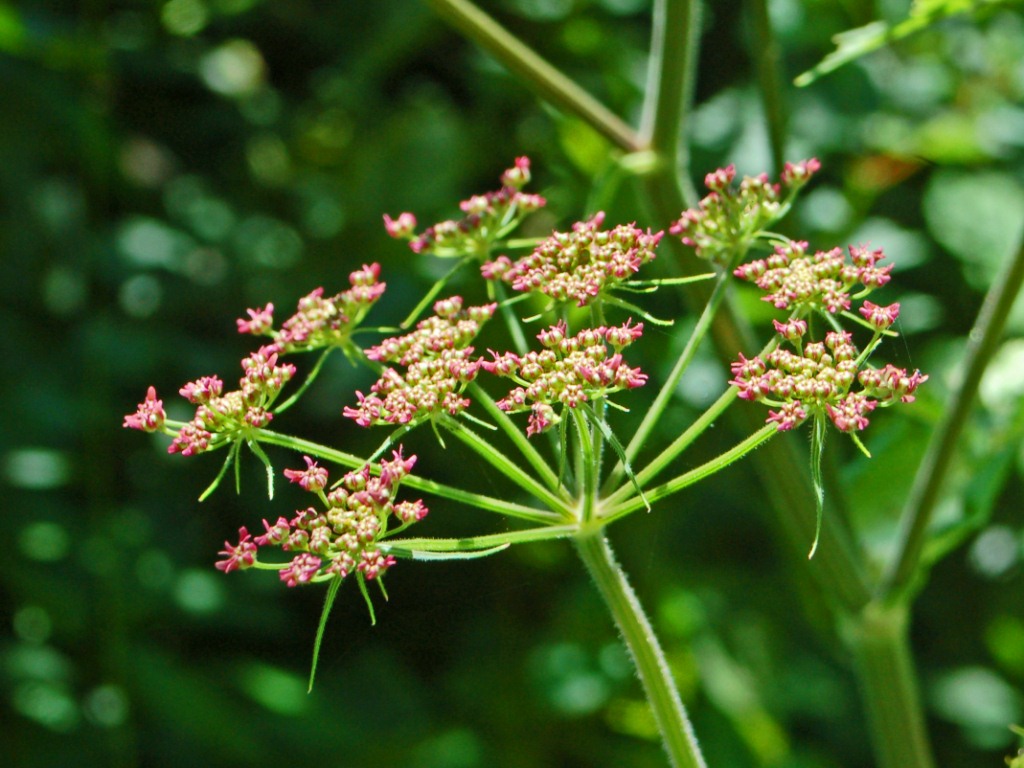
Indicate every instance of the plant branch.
{"type": "Point", "coordinates": [517, 436]}
{"type": "Point", "coordinates": [769, 76]}
{"type": "Point", "coordinates": [696, 474]}
{"type": "Point", "coordinates": [878, 639]}
{"type": "Point", "coordinates": [534, 72]}
{"type": "Point", "coordinates": [507, 467]}
{"type": "Point", "coordinates": [668, 388]}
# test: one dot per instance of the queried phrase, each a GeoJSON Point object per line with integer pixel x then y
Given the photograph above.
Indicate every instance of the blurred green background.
{"type": "Point", "coordinates": [163, 166]}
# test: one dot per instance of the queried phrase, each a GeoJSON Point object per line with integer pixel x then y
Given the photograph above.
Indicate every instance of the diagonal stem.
{"type": "Point", "coordinates": [533, 71]}
{"type": "Point", "coordinates": [981, 345]}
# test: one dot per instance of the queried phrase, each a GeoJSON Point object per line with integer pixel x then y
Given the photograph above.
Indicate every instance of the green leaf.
{"type": "Point", "coordinates": [854, 43]}
{"type": "Point", "coordinates": [332, 592]}
{"type": "Point", "coordinates": [255, 448]}
{"type": "Point", "coordinates": [613, 441]}
{"type": "Point", "coordinates": [422, 554]}
{"type": "Point", "coordinates": [817, 450]}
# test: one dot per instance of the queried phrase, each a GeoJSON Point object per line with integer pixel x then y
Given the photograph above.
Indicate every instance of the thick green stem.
{"type": "Point", "coordinates": [981, 345]}
{"type": "Point", "coordinates": [652, 666]}
{"type": "Point", "coordinates": [533, 71]}
{"type": "Point", "coordinates": [674, 42]}
{"type": "Point", "coordinates": [769, 78]}
{"type": "Point", "coordinates": [878, 640]}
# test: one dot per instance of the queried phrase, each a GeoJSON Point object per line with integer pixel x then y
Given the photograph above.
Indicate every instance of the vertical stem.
{"type": "Point", "coordinates": [676, 732]}
{"type": "Point", "coordinates": [669, 93]}
{"type": "Point", "coordinates": [878, 639]}
{"type": "Point", "coordinates": [769, 76]}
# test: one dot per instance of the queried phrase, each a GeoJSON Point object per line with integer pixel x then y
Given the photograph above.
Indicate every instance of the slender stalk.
{"type": "Point", "coordinates": [588, 466]}
{"type": "Point", "coordinates": [668, 388]}
{"type": "Point", "coordinates": [680, 444]}
{"type": "Point", "coordinates": [480, 501]}
{"type": "Point", "coordinates": [934, 468]}
{"type": "Point", "coordinates": [534, 72]}
{"type": "Point", "coordinates": [677, 484]}
{"type": "Point", "coordinates": [878, 640]}
{"type": "Point", "coordinates": [518, 437]}
{"type": "Point", "coordinates": [676, 732]}
{"type": "Point", "coordinates": [507, 467]}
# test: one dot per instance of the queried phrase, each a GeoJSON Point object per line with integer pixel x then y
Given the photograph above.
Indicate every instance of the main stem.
{"type": "Point", "coordinates": [676, 732]}
{"type": "Point", "coordinates": [881, 650]}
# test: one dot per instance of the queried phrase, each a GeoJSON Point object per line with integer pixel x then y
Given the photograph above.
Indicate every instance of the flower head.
{"type": "Point", "coordinates": [150, 415]}
{"type": "Point", "coordinates": [487, 218]}
{"type": "Point", "coordinates": [320, 322]}
{"type": "Point", "coordinates": [570, 370]}
{"type": "Point", "coordinates": [313, 478]}
{"type": "Point", "coordinates": [731, 216]}
{"type": "Point", "coordinates": [439, 365]}
{"type": "Point", "coordinates": [346, 536]}
{"type": "Point", "coordinates": [819, 378]}
{"type": "Point", "coordinates": [579, 265]}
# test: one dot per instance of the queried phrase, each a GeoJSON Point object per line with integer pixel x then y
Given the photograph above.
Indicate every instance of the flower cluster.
{"type": "Point", "coordinates": [818, 378]}
{"type": "Point", "coordinates": [487, 218]}
{"type": "Point", "coordinates": [730, 217]}
{"type": "Point", "coordinates": [438, 360]}
{"type": "Point", "coordinates": [320, 322]}
{"type": "Point", "coordinates": [792, 278]}
{"type": "Point", "coordinates": [342, 538]}
{"type": "Point", "coordinates": [219, 416]}
{"type": "Point", "coordinates": [578, 265]}
{"type": "Point", "coordinates": [569, 370]}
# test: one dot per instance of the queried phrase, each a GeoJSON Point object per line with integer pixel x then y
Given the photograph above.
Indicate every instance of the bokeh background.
{"type": "Point", "coordinates": [164, 165]}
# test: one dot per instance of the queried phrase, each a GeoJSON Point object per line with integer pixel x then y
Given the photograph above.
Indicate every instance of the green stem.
{"type": "Point", "coordinates": [676, 732]}
{"type": "Point", "coordinates": [469, 543]}
{"type": "Point", "coordinates": [675, 39]}
{"type": "Point", "coordinates": [533, 71]}
{"type": "Point", "coordinates": [680, 444]}
{"type": "Point", "coordinates": [676, 484]}
{"type": "Point", "coordinates": [507, 467]}
{"type": "Point", "coordinates": [588, 465]}
{"type": "Point", "coordinates": [488, 503]}
{"type": "Point", "coordinates": [668, 389]}
{"type": "Point", "coordinates": [769, 75]}
{"type": "Point", "coordinates": [878, 639]}
{"type": "Point", "coordinates": [517, 436]}
{"type": "Point", "coordinates": [934, 468]}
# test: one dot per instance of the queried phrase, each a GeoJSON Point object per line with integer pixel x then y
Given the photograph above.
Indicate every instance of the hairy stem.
{"type": "Point", "coordinates": [676, 732]}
